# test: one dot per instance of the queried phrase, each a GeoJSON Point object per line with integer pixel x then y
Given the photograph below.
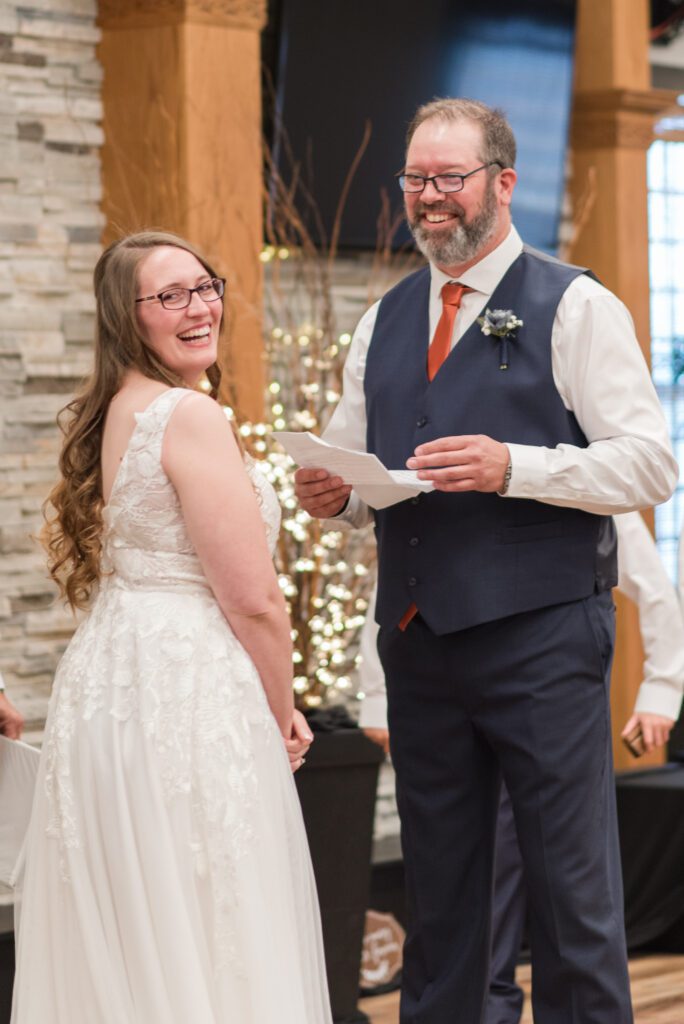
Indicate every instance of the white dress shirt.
{"type": "Point", "coordinates": [601, 375]}
{"type": "Point", "coordinates": [642, 577]}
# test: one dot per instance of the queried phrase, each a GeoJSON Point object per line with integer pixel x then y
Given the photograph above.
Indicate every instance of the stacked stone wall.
{"type": "Point", "coordinates": [50, 227]}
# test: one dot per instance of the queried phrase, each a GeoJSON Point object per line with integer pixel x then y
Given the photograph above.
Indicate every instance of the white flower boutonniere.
{"type": "Point", "coordinates": [502, 323]}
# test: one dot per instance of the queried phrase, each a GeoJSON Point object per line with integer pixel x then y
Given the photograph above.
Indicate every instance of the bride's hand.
{"type": "Point", "coordinates": [299, 741]}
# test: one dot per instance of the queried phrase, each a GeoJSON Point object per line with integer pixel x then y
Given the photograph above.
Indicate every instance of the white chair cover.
{"type": "Point", "coordinates": [18, 769]}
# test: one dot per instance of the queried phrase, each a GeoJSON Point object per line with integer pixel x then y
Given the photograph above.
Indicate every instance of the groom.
{"type": "Point", "coordinates": [494, 591]}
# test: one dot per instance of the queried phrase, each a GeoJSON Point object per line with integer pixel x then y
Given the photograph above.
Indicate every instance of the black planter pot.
{"type": "Point", "coordinates": [337, 788]}
{"type": "Point", "coordinates": [6, 976]}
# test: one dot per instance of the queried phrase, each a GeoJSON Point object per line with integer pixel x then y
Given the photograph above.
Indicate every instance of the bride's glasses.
{"type": "Point", "coordinates": [179, 298]}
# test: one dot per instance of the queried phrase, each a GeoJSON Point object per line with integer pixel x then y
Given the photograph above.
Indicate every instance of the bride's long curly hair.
{"type": "Point", "coordinates": [72, 532]}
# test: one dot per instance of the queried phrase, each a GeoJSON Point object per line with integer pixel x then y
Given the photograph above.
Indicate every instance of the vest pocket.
{"type": "Point", "coordinates": [534, 531]}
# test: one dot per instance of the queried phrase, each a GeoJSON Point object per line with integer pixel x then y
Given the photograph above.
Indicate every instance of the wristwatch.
{"type": "Point", "coordinates": [507, 477]}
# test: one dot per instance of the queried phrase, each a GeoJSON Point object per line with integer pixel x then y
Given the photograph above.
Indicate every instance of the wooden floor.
{"type": "Point", "coordinates": [657, 993]}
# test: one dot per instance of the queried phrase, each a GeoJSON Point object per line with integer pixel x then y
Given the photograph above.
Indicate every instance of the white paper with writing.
{"type": "Point", "coordinates": [378, 486]}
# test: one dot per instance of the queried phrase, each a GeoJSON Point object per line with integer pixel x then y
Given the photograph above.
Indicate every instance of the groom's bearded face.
{"type": "Point", "coordinates": [463, 236]}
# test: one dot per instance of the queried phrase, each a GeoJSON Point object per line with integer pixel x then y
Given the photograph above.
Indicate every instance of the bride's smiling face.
{"type": "Point", "coordinates": [186, 340]}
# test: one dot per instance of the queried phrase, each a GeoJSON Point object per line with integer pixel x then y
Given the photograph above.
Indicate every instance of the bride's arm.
{"type": "Point", "coordinates": [202, 460]}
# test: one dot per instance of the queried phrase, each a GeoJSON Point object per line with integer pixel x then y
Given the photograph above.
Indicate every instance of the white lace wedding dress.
{"type": "Point", "coordinates": [167, 877]}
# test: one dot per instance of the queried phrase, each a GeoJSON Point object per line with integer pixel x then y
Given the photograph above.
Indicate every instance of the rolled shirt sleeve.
{"type": "Point", "coordinates": [373, 714]}
{"type": "Point", "coordinates": [642, 578]}
{"type": "Point", "coordinates": [602, 376]}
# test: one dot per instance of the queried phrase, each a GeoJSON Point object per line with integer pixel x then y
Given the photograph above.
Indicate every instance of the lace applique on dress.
{"type": "Point", "coordinates": [157, 652]}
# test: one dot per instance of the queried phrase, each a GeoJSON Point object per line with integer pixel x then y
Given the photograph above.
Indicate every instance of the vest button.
{"type": "Point", "coordinates": [414, 501]}
{"type": "Point", "coordinates": [414, 541]}
{"type": "Point", "coordinates": [412, 581]}
{"type": "Point", "coordinates": [421, 421]}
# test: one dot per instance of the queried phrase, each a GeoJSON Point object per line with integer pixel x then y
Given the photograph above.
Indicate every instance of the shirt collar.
{"type": "Point", "coordinates": [485, 275]}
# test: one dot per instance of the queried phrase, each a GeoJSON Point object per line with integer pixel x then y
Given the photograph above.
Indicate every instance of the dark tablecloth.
{"type": "Point", "coordinates": [651, 815]}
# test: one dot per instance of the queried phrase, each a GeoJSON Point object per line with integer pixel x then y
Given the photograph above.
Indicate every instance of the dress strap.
{"type": "Point", "coordinates": [161, 407]}
{"type": "Point", "coordinates": [152, 422]}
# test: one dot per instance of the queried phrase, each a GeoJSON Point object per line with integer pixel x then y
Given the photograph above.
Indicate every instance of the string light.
{"type": "Point", "coordinates": [325, 575]}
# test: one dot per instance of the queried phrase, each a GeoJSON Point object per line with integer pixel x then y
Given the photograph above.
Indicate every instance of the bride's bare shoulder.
{"type": "Point", "coordinates": [196, 411]}
{"type": "Point", "coordinates": [198, 431]}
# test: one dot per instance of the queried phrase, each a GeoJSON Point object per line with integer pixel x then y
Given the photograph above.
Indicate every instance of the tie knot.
{"type": "Point", "coordinates": [453, 292]}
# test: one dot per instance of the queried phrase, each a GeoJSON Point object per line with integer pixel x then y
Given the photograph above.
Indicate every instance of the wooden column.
{"type": "Point", "coordinates": [615, 110]}
{"type": "Point", "coordinates": [182, 121]}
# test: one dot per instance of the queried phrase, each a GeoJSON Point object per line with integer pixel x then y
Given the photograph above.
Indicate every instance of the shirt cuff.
{"type": "Point", "coordinates": [355, 513]}
{"type": "Point", "coordinates": [529, 475]}
{"type": "Point", "coordinates": [373, 712]}
{"type": "Point", "coordinates": [659, 698]}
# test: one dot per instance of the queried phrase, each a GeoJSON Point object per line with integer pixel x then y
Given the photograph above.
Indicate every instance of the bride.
{"type": "Point", "coordinates": [167, 877]}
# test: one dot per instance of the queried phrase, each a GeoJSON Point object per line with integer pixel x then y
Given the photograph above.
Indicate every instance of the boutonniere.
{"type": "Point", "coordinates": [502, 323]}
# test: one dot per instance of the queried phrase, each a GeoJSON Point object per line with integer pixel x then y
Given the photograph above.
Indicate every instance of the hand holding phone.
{"type": "Point", "coordinates": [634, 741]}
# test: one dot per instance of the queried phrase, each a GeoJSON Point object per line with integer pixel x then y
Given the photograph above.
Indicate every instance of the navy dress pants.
{"type": "Point", "coordinates": [509, 910]}
{"type": "Point", "coordinates": [524, 699]}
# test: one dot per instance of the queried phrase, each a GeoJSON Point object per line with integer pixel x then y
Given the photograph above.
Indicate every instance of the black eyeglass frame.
{"type": "Point", "coordinates": [214, 281]}
{"type": "Point", "coordinates": [401, 177]}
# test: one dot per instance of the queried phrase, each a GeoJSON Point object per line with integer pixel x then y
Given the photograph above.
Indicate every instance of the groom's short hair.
{"type": "Point", "coordinates": [498, 140]}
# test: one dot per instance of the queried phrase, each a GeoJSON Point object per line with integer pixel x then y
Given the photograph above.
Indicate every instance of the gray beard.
{"type": "Point", "coordinates": [459, 244]}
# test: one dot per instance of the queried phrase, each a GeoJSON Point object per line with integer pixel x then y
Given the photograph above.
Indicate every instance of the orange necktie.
{"type": "Point", "coordinates": [440, 346]}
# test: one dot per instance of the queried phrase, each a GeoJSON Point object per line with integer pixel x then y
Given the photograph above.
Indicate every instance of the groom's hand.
{"type": "Point", "coordinates": [469, 462]}
{"type": "Point", "coordinates": [319, 493]}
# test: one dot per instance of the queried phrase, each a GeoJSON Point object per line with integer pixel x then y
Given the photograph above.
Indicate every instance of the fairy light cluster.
{"type": "Point", "coordinates": [326, 575]}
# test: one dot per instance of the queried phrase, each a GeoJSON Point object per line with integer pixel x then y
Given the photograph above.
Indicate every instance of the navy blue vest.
{"type": "Point", "coordinates": [471, 558]}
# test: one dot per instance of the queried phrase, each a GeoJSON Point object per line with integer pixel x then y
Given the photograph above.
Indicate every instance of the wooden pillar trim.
{"type": "Point", "coordinates": [238, 14]}
{"type": "Point", "coordinates": [618, 118]}
{"type": "Point", "coordinates": [182, 120]}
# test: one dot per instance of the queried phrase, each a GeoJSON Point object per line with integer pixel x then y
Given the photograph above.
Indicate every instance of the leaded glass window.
{"type": "Point", "coordinates": [666, 260]}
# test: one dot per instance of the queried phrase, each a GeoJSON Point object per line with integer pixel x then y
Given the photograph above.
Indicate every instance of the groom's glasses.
{"type": "Point", "coordinates": [442, 182]}
{"type": "Point", "coordinates": [179, 298]}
